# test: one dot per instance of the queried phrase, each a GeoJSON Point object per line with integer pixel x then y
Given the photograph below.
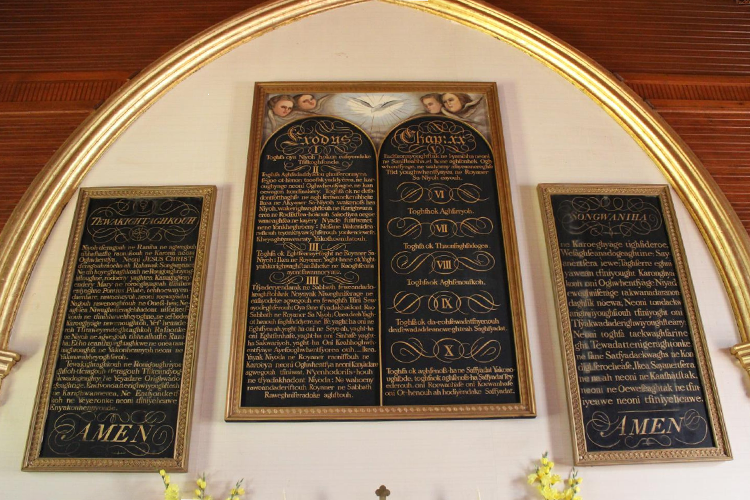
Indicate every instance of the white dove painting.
{"type": "Point", "coordinates": [375, 113]}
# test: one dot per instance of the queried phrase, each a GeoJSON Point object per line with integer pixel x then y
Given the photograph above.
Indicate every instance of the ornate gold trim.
{"type": "Point", "coordinates": [7, 360]}
{"type": "Point", "coordinates": [27, 229]}
{"type": "Point", "coordinates": [742, 353]}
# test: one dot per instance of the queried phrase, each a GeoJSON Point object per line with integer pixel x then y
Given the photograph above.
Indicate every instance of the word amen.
{"type": "Point", "coordinates": [657, 426]}
{"type": "Point", "coordinates": [124, 433]}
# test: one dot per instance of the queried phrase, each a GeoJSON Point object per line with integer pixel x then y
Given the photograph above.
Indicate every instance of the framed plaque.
{"type": "Point", "coordinates": [639, 378]}
{"type": "Point", "coordinates": [378, 273]}
{"type": "Point", "coordinates": [117, 382]}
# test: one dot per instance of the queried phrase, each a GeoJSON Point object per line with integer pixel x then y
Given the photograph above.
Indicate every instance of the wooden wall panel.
{"type": "Point", "coordinates": [27, 141]}
{"type": "Point", "coordinates": [721, 138]}
{"type": "Point", "coordinates": [710, 37]}
{"type": "Point", "coordinates": [712, 115]}
{"type": "Point", "coordinates": [58, 90]}
{"type": "Point", "coordinates": [680, 36]}
{"type": "Point", "coordinates": [55, 92]}
{"type": "Point", "coordinates": [38, 111]}
{"type": "Point", "coordinates": [656, 87]}
{"type": "Point", "coordinates": [81, 35]}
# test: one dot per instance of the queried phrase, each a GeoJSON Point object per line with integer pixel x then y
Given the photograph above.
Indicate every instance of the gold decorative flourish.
{"type": "Point", "coordinates": [439, 193]}
{"type": "Point", "coordinates": [445, 302]}
{"type": "Point", "coordinates": [348, 278]}
{"type": "Point", "coordinates": [333, 247]}
{"type": "Point", "coordinates": [291, 246]}
{"type": "Point", "coordinates": [410, 227]}
{"type": "Point", "coordinates": [446, 350]}
{"type": "Point", "coordinates": [441, 262]}
{"type": "Point", "coordinates": [282, 278]}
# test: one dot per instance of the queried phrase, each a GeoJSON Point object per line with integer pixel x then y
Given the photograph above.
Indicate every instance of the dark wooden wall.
{"type": "Point", "coordinates": [60, 59]}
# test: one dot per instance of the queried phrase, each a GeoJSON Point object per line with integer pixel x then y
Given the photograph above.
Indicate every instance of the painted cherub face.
{"type": "Point", "coordinates": [452, 103]}
{"type": "Point", "coordinates": [306, 102]}
{"type": "Point", "coordinates": [432, 105]}
{"type": "Point", "coordinates": [282, 108]}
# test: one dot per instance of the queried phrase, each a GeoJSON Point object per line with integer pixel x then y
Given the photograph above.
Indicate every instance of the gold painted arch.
{"type": "Point", "coordinates": [26, 231]}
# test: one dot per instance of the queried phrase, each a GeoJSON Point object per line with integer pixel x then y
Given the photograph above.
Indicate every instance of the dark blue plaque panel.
{"type": "Point", "coordinates": [312, 337]}
{"type": "Point", "coordinates": [118, 375]}
{"type": "Point", "coordinates": [636, 365]}
{"type": "Point", "coordinates": [445, 314]}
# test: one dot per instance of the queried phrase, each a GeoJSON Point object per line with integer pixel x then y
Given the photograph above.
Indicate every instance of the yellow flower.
{"type": "Point", "coordinates": [201, 483]}
{"type": "Point", "coordinates": [547, 481]}
{"type": "Point", "coordinates": [166, 479]}
{"type": "Point", "coordinates": [172, 493]}
{"type": "Point", "coordinates": [162, 473]}
{"type": "Point", "coordinates": [548, 493]}
{"type": "Point", "coordinates": [241, 491]}
{"type": "Point", "coordinates": [197, 493]}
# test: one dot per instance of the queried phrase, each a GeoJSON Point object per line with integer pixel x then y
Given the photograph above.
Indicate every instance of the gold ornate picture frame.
{"type": "Point", "coordinates": [353, 120]}
{"type": "Point", "coordinates": [639, 378]}
{"type": "Point", "coordinates": [116, 388]}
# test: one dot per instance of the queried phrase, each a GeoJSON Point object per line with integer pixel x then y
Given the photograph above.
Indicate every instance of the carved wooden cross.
{"type": "Point", "coordinates": [382, 492]}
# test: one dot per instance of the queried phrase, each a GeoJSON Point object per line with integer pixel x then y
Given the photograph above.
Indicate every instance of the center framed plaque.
{"type": "Point", "coordinates": [378, 272]}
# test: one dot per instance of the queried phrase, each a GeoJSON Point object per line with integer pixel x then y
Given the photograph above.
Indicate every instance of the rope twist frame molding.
{"type": "Point", "coordinates": [26, 231]}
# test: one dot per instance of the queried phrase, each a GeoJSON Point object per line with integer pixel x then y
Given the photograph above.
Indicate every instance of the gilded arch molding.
{"type": "Point", "coordinates": [30, 224]}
